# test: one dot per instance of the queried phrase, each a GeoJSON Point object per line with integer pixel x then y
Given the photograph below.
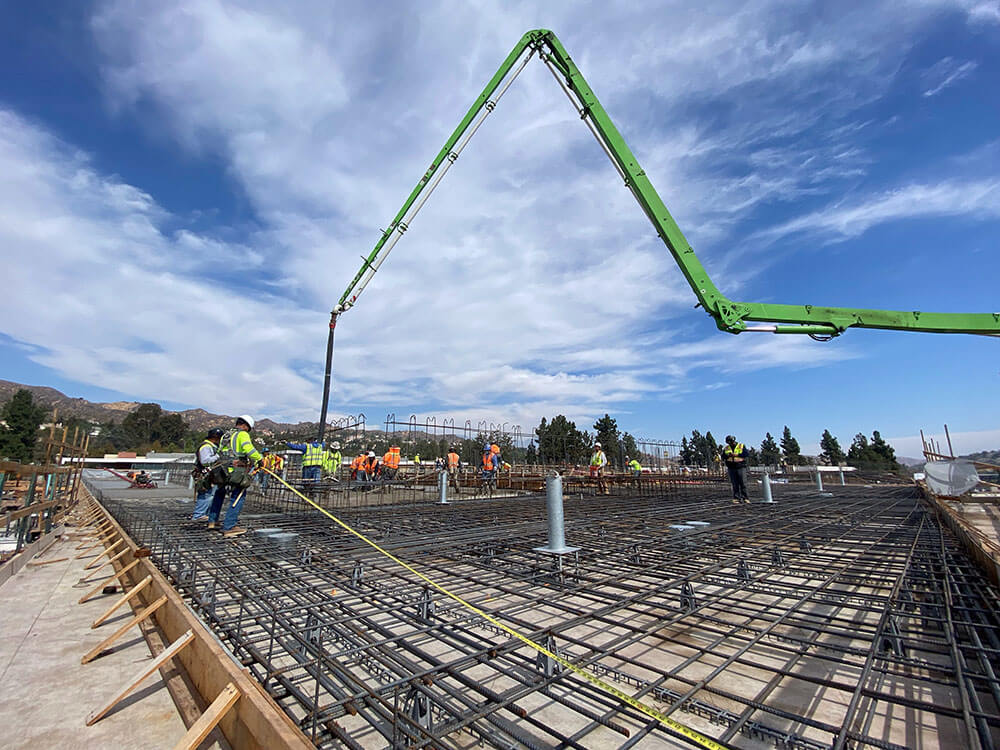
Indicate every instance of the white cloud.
{"type": "Point", "coordinates": [944, 73]}
{"type": "Point", "coordinates": [530, 283]}
{"type": "Point", "coordinates": [979, 199]}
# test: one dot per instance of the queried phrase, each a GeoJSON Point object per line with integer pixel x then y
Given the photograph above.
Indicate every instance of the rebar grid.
{"type": "Point", "coordinates": [848, 620]}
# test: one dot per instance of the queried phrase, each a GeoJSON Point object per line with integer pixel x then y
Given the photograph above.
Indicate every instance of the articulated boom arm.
{"type": "Point", "coordinates": [819, 322]}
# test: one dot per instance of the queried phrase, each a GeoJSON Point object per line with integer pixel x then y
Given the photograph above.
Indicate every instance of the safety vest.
{"type": "Point", "coordinates": [736, 452]}
{"type": "Point", "coordinates": [237, 444]}
{"type": "Point", "coordinates": [634, 465]}
{"type": "Point", "coordinates": [197, 453]}
{"type": "Point", "coordinates": [369, 464]}
{"type": "Point", "coordinates": [598, 459]}
{"type": "Point", "coordinates": [391, 459]}
{"type": "Point", "coordinates": [356, 462]}
{"type": "Point", "coordinates": [334, 460]}
{"type": "Point", "coordinates": [313, 455]}
{"type": "Point", "coordinates": [453, 460]}
{"type": "Point", "coordinates": [416, 459]}
{"type": "Point", "coordinates": [488, 462]}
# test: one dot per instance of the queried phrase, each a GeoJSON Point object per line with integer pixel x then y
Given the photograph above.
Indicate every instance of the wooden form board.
{"type": "Point", "coordinates": [256, 722]}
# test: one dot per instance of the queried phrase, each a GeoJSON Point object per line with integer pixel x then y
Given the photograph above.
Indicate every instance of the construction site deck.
{"type": "Point", "coordinates": [847, 617]}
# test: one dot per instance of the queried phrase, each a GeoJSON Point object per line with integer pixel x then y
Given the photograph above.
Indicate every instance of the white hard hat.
{"type": "Point", "coordinates": [597, 445]}
{"type": "Point", "coordinates": [335, 445]}
{"type": "Point", "coordinates": [246, 418]}
{"type": "Point", "coordinates": [371, 454]}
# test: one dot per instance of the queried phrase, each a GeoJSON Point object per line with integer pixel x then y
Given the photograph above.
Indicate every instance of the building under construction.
{"type": "Point", "coordinates": [402, 614]}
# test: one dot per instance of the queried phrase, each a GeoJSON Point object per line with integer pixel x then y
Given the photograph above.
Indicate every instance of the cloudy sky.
{"type": "Point", "coordinates": [187, 188]}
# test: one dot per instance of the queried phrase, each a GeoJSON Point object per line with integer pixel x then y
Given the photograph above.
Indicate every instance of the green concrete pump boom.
{"type": "Point", "coordinates": [819, 322]}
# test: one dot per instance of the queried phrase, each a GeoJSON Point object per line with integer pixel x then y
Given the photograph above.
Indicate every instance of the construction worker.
{"type": "Point", "coordinates": [333, 459]}
{"type": "Point", "coordinates": [597, 463]}
{"type": "Point", "coordinates": [356, 463]}
{"type": "Point", "coordinates": [205, 460]}
{"type": "Point", "coordinates": [454, 466]}
{"type": "Point", "coordinates": [390, 462]}
{"type": "Point", "coordinates": [490, 464]}
{"type": "Point", "coordinates": [237, 449]}
{"type": "Point", "coordinates": [312, 459]}
{"type": "Point", "coordinates": [634, 466]}
{"type": "Point", "coordinates": [734, 454]}
{"type": "Point", "coordinates": [369, 467]}
{"type": "Point", "coordinates": [273, 462]}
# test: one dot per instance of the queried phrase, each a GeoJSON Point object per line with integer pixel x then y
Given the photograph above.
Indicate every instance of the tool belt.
{"type": "Point", "coordinates": [240, 475]}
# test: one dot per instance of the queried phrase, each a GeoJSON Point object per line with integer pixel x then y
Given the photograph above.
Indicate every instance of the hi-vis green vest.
{"type": "Point", "coordinates": [730, 453]}
{"type": "Point", "coordinates": [313, 455]}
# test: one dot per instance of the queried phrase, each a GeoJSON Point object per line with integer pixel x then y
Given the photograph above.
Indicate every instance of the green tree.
{"type": "Point", "coordinates": [860, 454]}
{"type": "Point", "coordinates": [630, 447]}
{"type": "Point", "coordinates": [560, 441]}
{"type": "Point", "coordinates": [770, 455]}
{"type": "Point", "coordinates": [830, 451]}
{"type": "Point", "coordinates": [19, 435]}
{"type": "Point", "coordinates": [885, 452]}
{"type": "Point", "coordinates": [790, 448]}
{"type": "Point", "coordinates": [752, 456]}
{"type": "Point", "coordinates": [686, 453]}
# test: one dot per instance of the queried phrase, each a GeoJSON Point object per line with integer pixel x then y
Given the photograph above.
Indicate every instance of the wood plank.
{"type": "Point", "coordinates": [155, 664]}
{"type": "Point", "coordinates": [111, 610]}
{"type": "Point", "coordinates": [47, 562]}
{"type": "Point", "coordinates": [103, 645]}
{"type": "Point", "coordinates": [107, 551]}
{"type": "Point", "coordinates": [106, 581]}
{"type": "Point", "coordinates": [109, 562]}
{"type": "Point", "coordinates": [200, 729]}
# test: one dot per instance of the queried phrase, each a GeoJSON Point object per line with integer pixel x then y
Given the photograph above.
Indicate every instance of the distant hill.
{"type": "Point", "coordinates": [989, 457]}
{"type": "Point", "coordinates": [197, 419]}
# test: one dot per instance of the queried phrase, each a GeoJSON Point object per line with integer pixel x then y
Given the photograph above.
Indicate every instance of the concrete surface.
{"type": "Point", "coordinates": [45, 693]}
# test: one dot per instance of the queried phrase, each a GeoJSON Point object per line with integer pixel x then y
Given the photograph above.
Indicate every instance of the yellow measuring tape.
{"type": "Point", "coordinates": [682, 729]}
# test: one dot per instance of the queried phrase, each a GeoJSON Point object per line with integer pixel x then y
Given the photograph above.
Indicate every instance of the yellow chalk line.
{"type": "Point", "coordinates": [682, 729]}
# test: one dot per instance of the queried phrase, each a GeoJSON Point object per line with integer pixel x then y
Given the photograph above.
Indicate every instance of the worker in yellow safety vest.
{"type": "Point", "coordinates": [237, 449]}
{"type": "Point", "coordinates": [332, 460]}
{"type": "Point", "coordinates": [312, 459]}
{"type": "Point", "coordinates": [598, 461]}
{"type": "Point", "coordinates": [734, 454]}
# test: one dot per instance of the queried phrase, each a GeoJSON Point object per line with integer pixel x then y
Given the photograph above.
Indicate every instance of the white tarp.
{"type": "Point", "coordinates": [951, 478]}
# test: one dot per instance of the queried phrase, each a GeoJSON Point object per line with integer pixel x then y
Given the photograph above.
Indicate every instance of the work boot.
{"type": "Point", "coordinates": [213, 525]}
{"type": "Point", "coordinates": [201, 518]}
{"type": "Point", "coordinates": [235, 531]}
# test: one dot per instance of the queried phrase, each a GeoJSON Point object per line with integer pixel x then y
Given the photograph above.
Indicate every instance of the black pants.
{"type": "Point", "coordinates": [737, 475]}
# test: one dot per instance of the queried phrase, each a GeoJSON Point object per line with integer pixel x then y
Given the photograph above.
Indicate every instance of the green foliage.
{"type": "Point", "coordinates": [874, 455]}
{"type": "Point", "coordinates": [830, 451]}
{"type": "Point", "coordinates": [686, 453]}
{"type": "Point", "coordinates": [790, 449]}
{"type": "Point", "coordinates": [770, 454]}
{"type": "Point", "coordinates": [559, 441]}
{"type": "Point", "coordinates": [703, 449]}
{"type": "Point", "coordinates": [20, 434]}
{"type": "Point", "coordinates": [630, 447]}
{"type": "Point", "coordinates": [148, 428]}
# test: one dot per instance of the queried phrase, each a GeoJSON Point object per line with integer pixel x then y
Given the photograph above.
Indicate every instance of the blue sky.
{"type": "Point", "coordinates": [187, 188]}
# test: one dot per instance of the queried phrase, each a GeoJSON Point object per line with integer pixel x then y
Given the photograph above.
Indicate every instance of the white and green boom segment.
{"type": "Point", "coordinates": [732, 317]}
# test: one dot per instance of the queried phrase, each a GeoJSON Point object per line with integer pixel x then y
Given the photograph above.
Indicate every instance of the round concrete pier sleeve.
{"type": "Point", "coordinates": [819, 481]}
{"type": "Point", "coordinates": [842, 477]}
{"type": "Point", "coordinates": [443, 487]}
{"type": "Point", "coordinates": [767, 488]}
{"type": "Point", "coordinates": [554, 507]}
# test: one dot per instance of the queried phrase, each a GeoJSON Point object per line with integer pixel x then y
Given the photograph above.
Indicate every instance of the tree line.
{"type": "Point", "coordinates": [876, 453]}
{"type": "Point", "coordinates": [149, 428]}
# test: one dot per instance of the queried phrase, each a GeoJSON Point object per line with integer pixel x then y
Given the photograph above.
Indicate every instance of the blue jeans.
{"type": "Point", "coordinates": [312, 472]}
{"type": "Point", "coordinates": [236, 497]}
{"type": "Point", "coordinates": [201, 502]}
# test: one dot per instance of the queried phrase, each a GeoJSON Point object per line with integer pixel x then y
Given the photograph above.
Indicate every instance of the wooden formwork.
{"type": "Point", "coordinates": [250, 718]}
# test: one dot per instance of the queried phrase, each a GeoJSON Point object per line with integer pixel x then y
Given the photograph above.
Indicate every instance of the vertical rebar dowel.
{"type": "Point", "coordinates": [767, 488]}
{"type": "Point", "coordinates": [554, 508]}
{"type": "Point", "coordinates": [443, 487]}
{"type": "Point", "coordinates": [819, 480]}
